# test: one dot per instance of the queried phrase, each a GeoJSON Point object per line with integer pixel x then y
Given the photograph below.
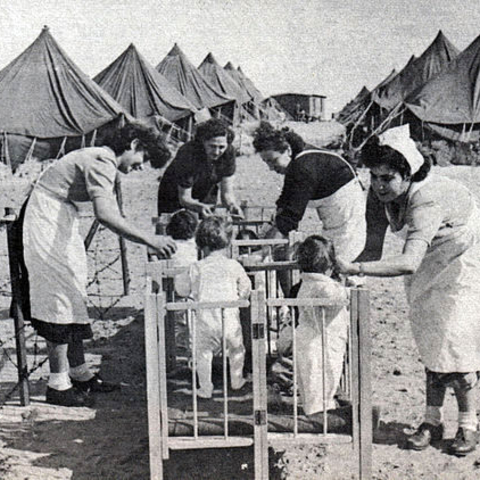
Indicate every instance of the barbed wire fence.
{"type": "Point", "coordinates": [105, 290]}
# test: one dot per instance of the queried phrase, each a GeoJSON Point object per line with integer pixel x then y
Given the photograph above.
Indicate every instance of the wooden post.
{"type": "Point", "coordinates": [361, 388]}
{"type": "Point", "coordinates": [123, 247]}
{"type": "Point", "coordinates": [153, 385]}
{"type": "Point", "coordinates": [17, 313]}
{"type": "Point", "coordinates": [259, 364]}
{"type": "Point", "coordinates": [365, 387]}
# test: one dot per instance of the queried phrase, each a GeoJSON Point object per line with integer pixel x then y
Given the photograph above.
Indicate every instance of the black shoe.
{"type": "Point", "coordinates": [96, 385]}
{"type": "Point", "coordinates": [465, 442]}
{"type": "Point", "coordinates": [425, 434]}
{"type": "Point", "coordinates": [69, 398]}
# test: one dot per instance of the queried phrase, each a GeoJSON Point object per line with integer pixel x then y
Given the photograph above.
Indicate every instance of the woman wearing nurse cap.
{"type": "Point", "coordinates": [441, 265]}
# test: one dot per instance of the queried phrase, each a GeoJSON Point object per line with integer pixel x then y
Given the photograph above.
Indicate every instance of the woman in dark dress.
{"type": "Point", "coordinates": [201, 166]}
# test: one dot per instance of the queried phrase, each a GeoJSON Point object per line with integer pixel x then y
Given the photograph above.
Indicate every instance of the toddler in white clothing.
{"type": "Point", "coordinates": [216, 278]}
{"type": "Point", "coordinates": [182, 227]}
{"type": "Point", "coordinates": [316, 258]}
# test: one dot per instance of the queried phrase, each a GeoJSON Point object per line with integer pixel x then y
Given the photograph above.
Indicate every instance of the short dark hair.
{"type": "Point", "coordinates": [266, 137]}
{"type": "Point", "coordinates": [182, 225]}
{"type": "Point", "coordinates": [214, 233]}
{"type": "Point", "coordinates": [316, 254]}
{"type": "Point", "coordinates": [213, 128]}
{"type": "Point", "coordinates": [150, 141]}
{"type": "Point", "coordinates": [373, 155]}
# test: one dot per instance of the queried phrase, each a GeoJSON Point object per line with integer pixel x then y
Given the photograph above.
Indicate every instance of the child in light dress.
{"type": "Point", "coordinates": [316, 258]}
{"type": "Point", "coordinates": [182, 227]}
{"type": "Point", "coordinates": [216, 278]}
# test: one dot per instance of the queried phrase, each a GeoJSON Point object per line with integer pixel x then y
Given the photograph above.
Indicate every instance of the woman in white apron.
{"type": "Point", "coordinates": [441, 264]}
{"type": "Point", "coordinates": [55, 256]}
{"type": "Point", "coordinates": [314, 178]}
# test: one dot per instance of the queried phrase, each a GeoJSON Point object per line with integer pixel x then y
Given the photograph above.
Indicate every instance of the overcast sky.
{"type": "Point", "coordinates": [329, 47]}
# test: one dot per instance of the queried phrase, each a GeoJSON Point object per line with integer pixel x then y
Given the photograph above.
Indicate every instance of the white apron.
{"type": "Point", "coordinates": [444, 299]}
{"type": "Point", "coordinates": [56, 260]}
{"type": "Point", "coordinates": [343, 216]}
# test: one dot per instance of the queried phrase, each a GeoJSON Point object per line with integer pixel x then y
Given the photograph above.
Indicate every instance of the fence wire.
{"type": "Point", "coordinates": [104, 292]}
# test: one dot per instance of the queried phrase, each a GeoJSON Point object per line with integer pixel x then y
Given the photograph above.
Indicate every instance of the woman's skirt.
{"type": "Point", "coordinates": [56, 260]}
{"type": "Point", "coordinates": [444, 298]}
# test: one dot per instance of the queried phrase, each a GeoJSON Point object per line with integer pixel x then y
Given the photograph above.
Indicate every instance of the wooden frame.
{"type": "Point", "coordinates": [156, 309]}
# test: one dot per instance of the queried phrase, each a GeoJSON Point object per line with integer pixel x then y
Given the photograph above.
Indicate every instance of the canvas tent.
{"type": "Point", "coordinates": [223, 82]}
{"type": "Point", "coordinates": [416, 73]}
{"type": "Point", "coordinates": [272, 111]}
{"type": "Point", "coordinates": [348, 111]}
{"type": "Point", "coordinates": [48, 106]}
{"type": "Point", "coordinates": [145, 93]}
{"type": "Point", "coordinates": [449, 104]}
{"type": "Point", "coordinates": [182, 75]}
{"type": "Point", "coordinates": [362, 103]}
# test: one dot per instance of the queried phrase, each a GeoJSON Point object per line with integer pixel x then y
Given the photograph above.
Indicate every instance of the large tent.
{"type": "Point", "coordinates": [245, 83]}
{"type": "Point", "coordinates": [48, 106]}
{"type": "Point", "coordinates": [416, 73]}
{"type": "Point", "coordinates": [181, 73]}
{"type": "Point", "coordinates": [223, 82]}
{"type": "Point", "coordinates": [145, 93]}
{"type": "Point", "coordinates": [449, 103]}
{"type": "Point", "coordinates": [352, 107]}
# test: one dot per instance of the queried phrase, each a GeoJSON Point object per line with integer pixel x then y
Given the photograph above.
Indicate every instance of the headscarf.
{"type": "Point", "coordinates": [399, 139]}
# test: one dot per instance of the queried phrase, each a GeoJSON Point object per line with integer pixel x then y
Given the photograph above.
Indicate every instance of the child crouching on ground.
{"type": "Point", "coordinates": [316, 258]}
{"type": "Point", "coordinates": [216, 278]}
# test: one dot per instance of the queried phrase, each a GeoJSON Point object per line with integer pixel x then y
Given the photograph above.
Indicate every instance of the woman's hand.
{"type": "Point", "coordinates": [164, 246]}
{"type": "Point", "coordinates": [235, 210]}
{"type": "Point", "coordinates": [347, 268]}
{"type": "Point", "coordinates": [205, 211]}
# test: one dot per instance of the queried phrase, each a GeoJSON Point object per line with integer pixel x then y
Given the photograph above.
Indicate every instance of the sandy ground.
{"type": "Point", "coordinates": [110, 441]}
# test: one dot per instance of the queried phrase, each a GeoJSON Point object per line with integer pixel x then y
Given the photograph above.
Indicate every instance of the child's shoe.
{"type": "Point", "coordinates": [204, 393]}
{"type": "Point", "coordinates": [465, 442]}
{"type": "Point", "coordinates": [239, 384]}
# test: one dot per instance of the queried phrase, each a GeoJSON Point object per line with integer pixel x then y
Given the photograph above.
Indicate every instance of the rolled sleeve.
{"type": "Point", "coordinates": [100, 174]}
{"type": "Point", "coordinates": [424, 220]}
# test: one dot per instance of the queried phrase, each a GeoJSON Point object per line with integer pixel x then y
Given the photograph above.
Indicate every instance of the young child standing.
{"type": "Point", "coordinates": [316, 258]}
{"type": "Point", "coordinates": [182, 227]}
{"type": "Point", "coordinates": [216, 278]}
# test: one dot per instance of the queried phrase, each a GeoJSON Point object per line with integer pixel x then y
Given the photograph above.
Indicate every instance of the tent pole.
{"type": "Point", "coordinates": [94, 138]}
{"type": "Point", "coordinates": [61, 152]}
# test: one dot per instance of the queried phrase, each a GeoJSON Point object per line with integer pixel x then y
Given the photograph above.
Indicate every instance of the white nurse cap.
{"type": "Point", "coordinates": [399, 139]}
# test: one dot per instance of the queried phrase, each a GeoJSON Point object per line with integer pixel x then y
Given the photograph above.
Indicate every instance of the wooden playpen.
{"type": "Point", "coordinates": [179, 420]}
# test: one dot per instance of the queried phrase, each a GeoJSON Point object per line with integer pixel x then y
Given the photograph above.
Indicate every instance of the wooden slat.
{"type": "Point", "coordinates": [303, 302]}
{"type": "Point", "coordinates": [365, 392]}
{"type": "Point", "coordinates": [162, 370]}
{"type": "Point", "coordinates": [190, 443]}
{"type": "Point", "coordinates": [153, 388]}
{"type": "Point", "coordinates": [259, 385]}
{"type": "Point", "coordinates": [179, 306]}
{"type": "Point", "coordinates": [354, 379]}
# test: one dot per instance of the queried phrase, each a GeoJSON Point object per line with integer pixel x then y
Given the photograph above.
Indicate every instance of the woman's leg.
{"type": "Point", "coordinates": [79, 370]}
{"type": "Point", "coordinates": [432, 427]}
{"type": "Point", "coordinates": [58, 360]}
{"type": "Point", "coordinates": [467, 433]}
